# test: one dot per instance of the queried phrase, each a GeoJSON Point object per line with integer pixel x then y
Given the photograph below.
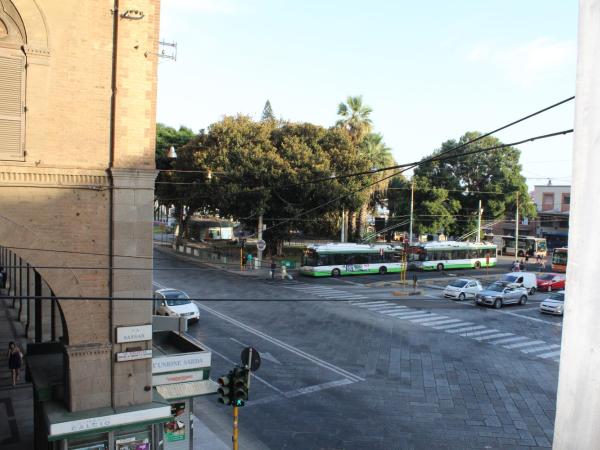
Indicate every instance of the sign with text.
{"type": "Point", "coordinates": [132, 356]}
{"type": "Point", "coordinates": [134, 334]}
{"type": "Point", "coordinates": [179, 377]}
{"type": "Point", "coordinates": [176, 363]}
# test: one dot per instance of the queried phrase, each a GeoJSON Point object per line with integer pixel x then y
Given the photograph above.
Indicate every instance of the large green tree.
{"type": "Point", "coordinates": [494, 177]}
{"type": "Point", "coordinates": [355, 117]}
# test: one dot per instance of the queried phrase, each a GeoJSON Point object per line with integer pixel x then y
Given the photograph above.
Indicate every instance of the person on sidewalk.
{"type": "Point", "coordinates": [249, 259]}
{"type": "Point", "coordinates": [415, 281]}
{"type": "Point", "coordinates": [273, 268]}
{"type": "Point", "coordinates": [15, 359]}
{"type": "Point", "coordinates": [283, 272]}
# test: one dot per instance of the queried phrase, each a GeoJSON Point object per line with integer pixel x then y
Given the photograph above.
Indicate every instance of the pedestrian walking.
{"type": "Point", "coordinates": [415, 281]}
{"type": "Point", "coordinates": [15, 359]}
{"type": "Point", "coordinates": [527, 258]}
{"type": "Point", "coordinates": [273, 268]}
{"type": "Point", "coordinates": [283, 272]}
{"type": "Point", "coordinates": [521, 266]}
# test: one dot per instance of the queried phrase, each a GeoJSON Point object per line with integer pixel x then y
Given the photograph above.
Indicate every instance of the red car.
{"type": "Point", "coordinates": [551, 282]}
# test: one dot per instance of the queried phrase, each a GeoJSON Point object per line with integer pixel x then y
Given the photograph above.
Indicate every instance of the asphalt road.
{"type": "Point", "coordinates": [359, 368]}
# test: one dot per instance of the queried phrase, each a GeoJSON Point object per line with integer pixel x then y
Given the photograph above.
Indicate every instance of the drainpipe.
{"type": "Point", "coordinates": [111, 161]}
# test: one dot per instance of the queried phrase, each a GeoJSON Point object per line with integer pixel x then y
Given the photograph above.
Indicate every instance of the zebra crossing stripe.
{"type": "Point", "coordinates": [493, 336]}
{"type": "Point", "coordinates": [510, 339]}
{"type": "Point", "coordinates": [380, 307]}
{"type": "Point", "coordinates": [478, 333]}
{"type": "Point", "coordinates": [524, 344]}
{"type": "Point", "coordinates": [365, 304]}
{"type": "Point", "coordinates": [385, 311]}
{"type": "Point", "coordinates": [441, 322]}
{"type": "Point", "coordinates": [549, 355]}
{"type": "Point", "coordinates": [412, 316]}
{"type": "Point", "coordinates": [462, 330]}
{"type": "Point", "coordinates": [453, 325]}
{"type": "Point", "coordinates": [408, 313]}
{"type": "Point", "coordinates": [540, 348]}
{"type": "Point", "coordinates": [428, 319]}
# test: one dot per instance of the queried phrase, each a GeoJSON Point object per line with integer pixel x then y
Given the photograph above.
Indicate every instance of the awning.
{"type": "Point", "coordinates": [185, 390]}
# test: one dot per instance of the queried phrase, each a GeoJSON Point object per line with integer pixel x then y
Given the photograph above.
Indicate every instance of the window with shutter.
{"type": "Point", "coordinates": [11, 107]}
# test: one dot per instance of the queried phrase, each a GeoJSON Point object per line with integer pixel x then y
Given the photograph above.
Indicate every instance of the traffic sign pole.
{"type": "Point", "coordinates": [234, 438]}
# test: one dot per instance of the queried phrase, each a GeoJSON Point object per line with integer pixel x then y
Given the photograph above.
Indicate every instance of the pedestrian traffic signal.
{"type": "Point", "coordinates": [225, 390]}
{"type": "Point", "coordinates": [240, 386]}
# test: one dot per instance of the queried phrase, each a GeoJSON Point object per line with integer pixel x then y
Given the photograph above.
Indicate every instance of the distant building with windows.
{"type": "Point", "coordinates": [553, 203]}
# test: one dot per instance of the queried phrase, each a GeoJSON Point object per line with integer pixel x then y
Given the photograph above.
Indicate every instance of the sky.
{"type": "Point", "coordinates": [431, 70]}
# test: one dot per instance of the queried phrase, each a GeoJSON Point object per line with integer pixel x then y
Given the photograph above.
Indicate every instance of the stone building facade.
{"type": "Point", "coordinates": [77, 136]}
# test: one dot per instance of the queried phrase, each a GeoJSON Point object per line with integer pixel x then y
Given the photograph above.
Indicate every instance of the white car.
{"type": "Point", "coordinates": [554, 304]}
{"type": "Point", "coordinates": [462, 288]}
{"type": "Point", "coordinates": [172, 302]}
{"type": "Point", "coordinates": [528, 280]}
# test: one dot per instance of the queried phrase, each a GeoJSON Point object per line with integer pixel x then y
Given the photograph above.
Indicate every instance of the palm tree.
{"type": "Point", "coordinates": [355, 118]}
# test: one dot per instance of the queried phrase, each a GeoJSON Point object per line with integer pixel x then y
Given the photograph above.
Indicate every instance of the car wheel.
{"type": "Point", "coordinates": [440, 267]}
{"type": "Point", "coordinates": [532, 291]}
{"type": "Point", "coordinates": [498, 303]}
{"type": "Point", "coordinates": [477, 265]}
{"type": "Point", "coordinates": [335, 273]}
{"type": "Point", "coordinates": [461, 296]}
{"type": "Point", "coordinates": [382, 270]}
{"type": "Point", "coordinates": [523, 300]}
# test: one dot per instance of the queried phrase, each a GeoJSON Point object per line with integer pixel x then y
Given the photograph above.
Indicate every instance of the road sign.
{"type": "Point", "coordinates": [261, 245]}
{"type": "Point", "coordinates": [252, 361]}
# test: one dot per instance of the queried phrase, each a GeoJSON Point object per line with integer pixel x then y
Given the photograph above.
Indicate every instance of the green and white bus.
{"type": "Point", "coordinates": [452, 255]}
{"type": "Point", "coordinates": [350, 259]}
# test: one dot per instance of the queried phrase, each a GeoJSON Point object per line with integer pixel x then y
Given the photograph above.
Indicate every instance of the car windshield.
{"type": "Point", "coordinates": [510, 278]}
{"type": "Point", "coordinates": [546, 277]}
{"type": "Point", "coordinates": [176, 298]}
{"type": "Point", "coordinates": [557, 297]}
{"type": "Point", "coordinates": [459, 283]}
{"type": "Point", "coordinates": [496, 288]}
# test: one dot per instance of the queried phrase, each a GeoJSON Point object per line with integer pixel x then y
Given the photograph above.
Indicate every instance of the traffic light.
{"type": "Point", "coordinates": [240, 386]}
{"type": "Point", "coordinates": [225, 390]}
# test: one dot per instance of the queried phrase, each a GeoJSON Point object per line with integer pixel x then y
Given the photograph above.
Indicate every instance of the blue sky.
{"type": "Point", "coordinates": [430, 70]}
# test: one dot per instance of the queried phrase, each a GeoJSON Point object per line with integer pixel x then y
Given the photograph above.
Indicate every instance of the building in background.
{"type": "Point", "coordinates": [553, 203]}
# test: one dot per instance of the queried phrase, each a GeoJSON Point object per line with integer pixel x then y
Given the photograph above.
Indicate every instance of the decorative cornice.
{"type": "Point", "coordinates": [50, 179]}
{"type": "Point", "coordinates": [88, 350]}
{"type": "Point", "coordinates": [35, 51]}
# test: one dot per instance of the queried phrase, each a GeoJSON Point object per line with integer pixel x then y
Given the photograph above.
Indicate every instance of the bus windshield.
{"type": "Point", "coordinates": [559, 257]}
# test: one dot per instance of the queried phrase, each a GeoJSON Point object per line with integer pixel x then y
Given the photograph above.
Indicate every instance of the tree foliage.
{"type": "Point", "coordinates": [447, 192]}
{"type": "Point", "coordinates": [267, 113]}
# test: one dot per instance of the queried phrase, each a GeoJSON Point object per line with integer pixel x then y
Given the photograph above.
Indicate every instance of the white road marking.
{"type": "Point", "coordinates": [379, 307]}
{"type": "Point", "coordinates": [549, 355]}
{"type": "Point", "coordinates": [540, 348]}
{"type": "Point", "coordinates": [300, 391]}
{"type": "Point", "coordinates": [462, 330]}
{"type": "Point", "coordinates": [497, 335]}
{"type": "Point", "coordinates": [395, 308]}
{"type": "Point", "coordinates": [365, 304]}
{"type": "Point", "coordinates": [524, 344]}
{"type": "Point", "coordinates": [510, 339]}
{"type": "Point", "coordinates": [454, 325]}
{"type": "Point", "coordinates": [479, 333]}
{"type": "Point", "coordinates": [282, 344]}
{"type": "Point", "coordinates": [412, 316]}
{"type": "Point", "coordinates": [428, 319]}
{"type": "Point", "coordinates": [441, 322]}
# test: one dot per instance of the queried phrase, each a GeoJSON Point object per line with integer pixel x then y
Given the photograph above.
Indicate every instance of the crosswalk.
{"type": "Point", "coordinates": [446, 324]}
{"type": "Point", "coordinates": [326, 292]}
{"type": "Point", "coordinates": [457, 327]}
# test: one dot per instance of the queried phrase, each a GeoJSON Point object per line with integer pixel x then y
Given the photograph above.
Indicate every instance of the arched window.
{"type": "Point", "coordinates": [12, 84]}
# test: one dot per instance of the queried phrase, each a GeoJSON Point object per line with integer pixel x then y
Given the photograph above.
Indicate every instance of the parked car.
{"type": "Point", "coordinates": [551, 282]}
{"type": "Point", "coordinates": [173, 302]}
{"type": "Point", "coordinates": [528, 280]}
{"type": "Point", "coordinates": [462, 288]}
{"type": "Point", "coordinates": [554, 304]}
{"type": "Point", "coordinates": [501, 293]}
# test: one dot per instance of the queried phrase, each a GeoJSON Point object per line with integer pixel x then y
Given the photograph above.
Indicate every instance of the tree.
{"type": "Point", "coordinates": [267, 113]}
{"type": "Point", "coordinates": [355, 118]}
{"type": "Point", "coordinates": [165, 138]}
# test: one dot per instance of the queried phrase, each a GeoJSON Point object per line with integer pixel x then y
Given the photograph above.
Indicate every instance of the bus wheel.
{"type": "Point", "coordinates": [335, 273]}
{"type": "Point", "coordinates": [382, 270]}
{"type": "Point", "coordinates": [440, 267]}
{"type": "Point", "coordinates": [477, 265]}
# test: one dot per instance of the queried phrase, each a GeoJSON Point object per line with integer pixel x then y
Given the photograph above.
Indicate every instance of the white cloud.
{"type": "Point", "coordinates": [528, 63]}
{"type": "Point", "coordinates": [204, 6]}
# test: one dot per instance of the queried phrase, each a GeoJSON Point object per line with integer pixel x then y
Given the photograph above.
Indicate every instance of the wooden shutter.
{"type": "Point", "coordinates": [11, 108]}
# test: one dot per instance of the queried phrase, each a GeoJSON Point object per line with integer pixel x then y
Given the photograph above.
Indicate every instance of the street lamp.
{"type": "Point", "coordinates": [172, 154]}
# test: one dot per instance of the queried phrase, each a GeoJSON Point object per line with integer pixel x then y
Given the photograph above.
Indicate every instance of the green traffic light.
{"type": "Point", "coordinates": [239, 403]}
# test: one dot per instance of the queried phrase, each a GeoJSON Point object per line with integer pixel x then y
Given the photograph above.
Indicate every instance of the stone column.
{"type": "Point", "coordinates": [578, 401]}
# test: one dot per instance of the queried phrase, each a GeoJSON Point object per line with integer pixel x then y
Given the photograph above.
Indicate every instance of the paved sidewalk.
{"type": "Point", "coordinates": [16, 403]}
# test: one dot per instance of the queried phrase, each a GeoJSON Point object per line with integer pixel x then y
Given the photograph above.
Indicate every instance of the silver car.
{"type": "Point", "coordinates": [554, 304]}
{"type": "Point", "coordinates": [500, 294]}
{"type": "Point", "coordinates": [462, 288]}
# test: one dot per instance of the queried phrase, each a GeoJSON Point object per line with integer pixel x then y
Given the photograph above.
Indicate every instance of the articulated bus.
{"type": "Point", "coordinates": [452, 255]}
{"type": "Point", "coordinates": [559, 259]}
{"type": "Point", "coordinates": [528, 245]}
{"type": "Point", "coordinates": [350, 259]}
